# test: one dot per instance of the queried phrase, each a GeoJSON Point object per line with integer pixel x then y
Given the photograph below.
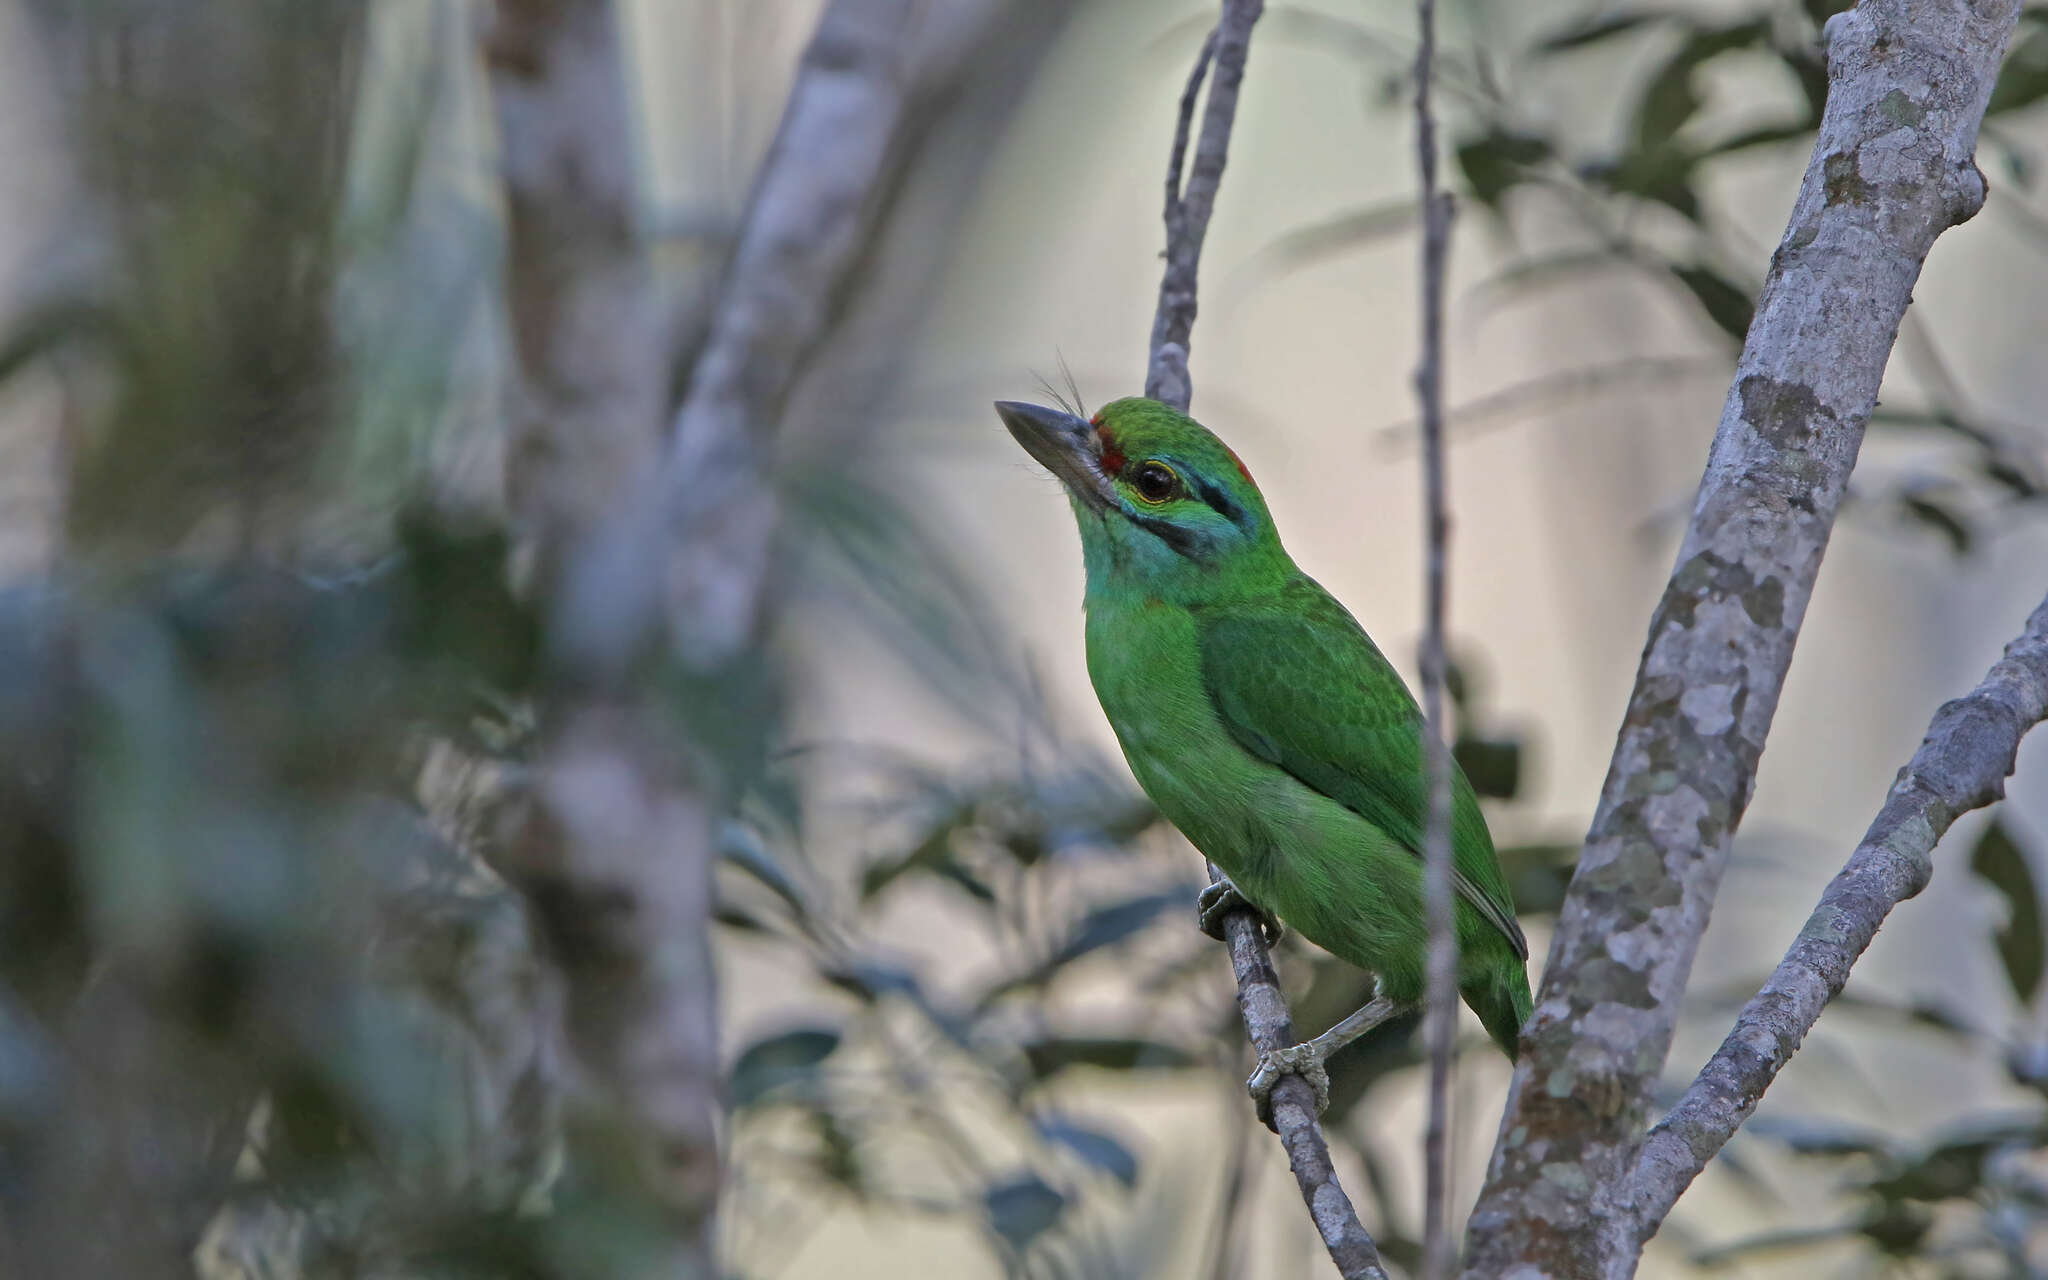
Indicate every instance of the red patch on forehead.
{"type": "Point", "coordinates": [1241, 469]}
{"type": "Point", "coordinates": [1112, 457]}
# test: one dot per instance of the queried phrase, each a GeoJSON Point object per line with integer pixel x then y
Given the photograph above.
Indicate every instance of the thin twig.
{"type": "Point", "coordinates": [1266, 1017]}
{"type": "Point", "coordinates": [1187, 211]}
{"type": "Point", "coordinates": [1962, 764]}
{"type": "Point", "coordinates": [1440, 1019]}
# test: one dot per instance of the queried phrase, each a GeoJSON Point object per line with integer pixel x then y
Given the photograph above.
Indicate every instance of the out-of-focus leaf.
{"type": "Point", "coordinates": [1669, 101]}
{"type": "Point", "coordinates": [780, 1060]}
{"type": "Point", "coordinates": [1763, 136]}
{"type": "Point", "coordinates": [2011, 477]}
{"type": "Point", "coordinates": [1925, 1012]}
{"type": "Point", "coordinates": [1103, 926]}
{"type": "Point", "coordinates": [838, 1154]}
{"type": "Point", "coordinates": [1340, 233]}
{"type": "Point", "coordinates": [1093, 1145]}
{"type": "Point", "coordinates": [1022, 1208]}
{"type": "Point", "coordinates": [873, 981]}
{"type": "Point", "coordinates": [1730, 306]}
{"type": "Point", "coordinates": [2023, 79]}
{"type": "Point", "coordinates": [1538, 875]}
{"type": "Point", "coordinates": [737, 917]}
{"type": "Point", "coordinates": [929, 854]}
{"type": "Point", "coordinates": [1896, 1227]}
{"type": "Point", "coordinates": [1925, 508]}
{"type": "Point", "coordinates": [738, 845]}
{"type": "Point", "coordinates": [1497, 160]}
{"type": "Point", "coordinates": [1808, 1136]}
{"type": "Point", "coordinates": [1613, 24]}
{"type": "Point", "coordinates": [1999, 861]}
{"type": "Point", "coordinates": [1113, 922]}
{"type": "Point", "coordinates": [1952, 1163]}
{"type": "Point", "coordinates": [1053, 1054]}
{"type": "Point", "coordinates": [1492, 765]}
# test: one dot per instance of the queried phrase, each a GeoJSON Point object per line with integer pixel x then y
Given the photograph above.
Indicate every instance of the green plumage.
{"type": "Point", "coordinates": [1262, 719]}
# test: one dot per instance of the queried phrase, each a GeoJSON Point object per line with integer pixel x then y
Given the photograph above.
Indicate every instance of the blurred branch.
{"type": "Point", "coordinates": [1874, 199]}
{"type": "Point", "coordinates": [1259, 997]}
{"type": "Point", "coordinates": [1962, 764]}
{"type": "Point", "coordinates": [1440, 999]}
{"type": "Point", "coordinates": [613, 849]}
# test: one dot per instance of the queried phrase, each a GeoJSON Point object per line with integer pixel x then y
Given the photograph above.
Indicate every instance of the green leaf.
{"type": "Point", "coordinates": [1053, 1054]}
{"type": "Point", "coordinates": [2023, 80]}
{"type": "Point", "coordinates": [1092, 1145]}
{"type": "Point", "coordinates": [1952, 1165]}
{"type": "Point", "coordinates": [1498, 160]}
{"type": "Point", "coordinates": [778, 1061]}
{"type": "Point", "coordinates": [1538, 875]}
{"type": "Point", "coordinates": [931, 854]}
{"type": "Point", "coordinates": [1022, 1208]}
{"type": "Point", "coordinates": [1669, 101]}
{"type": "Point", "coordinates": [1492, 765]}
{"type": "Point", "coordinates": [1113, 922]}
{"type": "Point", "coordinates": [740, 846]}
{"type": "Point", "coordinates": [1602, 29]}
{"type": "Point", "coordinates": [1729, 305]}
{"type": "Point", "coordinates": [1999, 860]}
{"type": "Point", "coordinates": [872, 981]}
{"type": "Point", "coordinates": [1936, 515]}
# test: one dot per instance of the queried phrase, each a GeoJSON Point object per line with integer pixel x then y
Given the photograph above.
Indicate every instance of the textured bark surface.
{"type": "Point", "coordinates": [1962, 764]}
{"type": "Point", "coordinates": [1892, 169]}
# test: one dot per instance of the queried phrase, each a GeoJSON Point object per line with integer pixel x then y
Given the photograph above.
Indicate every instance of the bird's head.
{"type": "Point", "coordinates": [1165, 507]}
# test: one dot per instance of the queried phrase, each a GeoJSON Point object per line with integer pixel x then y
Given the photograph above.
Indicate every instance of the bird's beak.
{"type": "Point", "coordinates": [1064, 445]}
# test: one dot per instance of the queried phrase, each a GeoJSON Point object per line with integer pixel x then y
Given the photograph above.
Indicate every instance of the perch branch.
{"type": "Point", "coordinates": [1891, 170]}
{"type": "Point", "coordinates": [1962, 764]}
{"type": "Point", "coordinates": [1266, 1017]}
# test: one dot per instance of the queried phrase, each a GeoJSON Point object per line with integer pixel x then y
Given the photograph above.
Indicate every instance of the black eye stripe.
{"type": "Point", "coordinates": [1221, 502]}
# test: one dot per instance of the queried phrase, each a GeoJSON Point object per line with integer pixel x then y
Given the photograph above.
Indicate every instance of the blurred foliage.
{"type": "Point", "coordinates": [1967, 1200]}
{"type": "Point", "coordinates": [1705, 94]}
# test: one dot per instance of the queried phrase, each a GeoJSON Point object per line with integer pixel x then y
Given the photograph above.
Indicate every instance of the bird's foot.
{"type": "Point", "coordinates": [1304, 1060]}
{"type": "Point", "coordinates": [1222, 898]}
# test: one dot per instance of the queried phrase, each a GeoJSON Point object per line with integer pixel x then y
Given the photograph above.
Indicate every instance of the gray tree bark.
{"type": "Point", "coordinates": [1892, 169]}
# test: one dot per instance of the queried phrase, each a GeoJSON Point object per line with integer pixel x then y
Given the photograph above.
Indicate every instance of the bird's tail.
{"type": "Point", "coordinates": [1502, 1001]}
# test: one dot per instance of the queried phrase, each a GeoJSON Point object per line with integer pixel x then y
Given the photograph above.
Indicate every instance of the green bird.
{"type": "Point", "coordinates": [1264, 722]}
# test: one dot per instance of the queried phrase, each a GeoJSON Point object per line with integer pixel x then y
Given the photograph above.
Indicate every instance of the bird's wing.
{"type": "Point", "coordinates": [1300, 685]}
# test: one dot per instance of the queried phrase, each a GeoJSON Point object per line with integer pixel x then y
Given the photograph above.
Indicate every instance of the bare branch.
{"type": "Point", "coordinates": [1891, 171]}
{"type": "Point", "coordinates": [1962, 764]}
{"type": "Point", "coordinates": [1271, 1027]}
{"type": "Point", "coordinates": [1187, 211]}
{"type": "Point", "coordinates": [1440, 1003]}
{"type": "Point", "coordinates": [1259, 998]}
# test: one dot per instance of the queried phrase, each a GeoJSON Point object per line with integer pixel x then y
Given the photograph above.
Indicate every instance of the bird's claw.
{"type": "Point", "coordinates": [1222, 898]}
{"type": "Point", "coordinates": [1304, 1060]}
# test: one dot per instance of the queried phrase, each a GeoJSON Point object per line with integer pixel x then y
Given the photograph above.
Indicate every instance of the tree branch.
{"type": "Point", "coordinates": [1259, 998]}
{"type": "Point", "coordinates": [1188, 209]}
{"type": "Point", "coordinates": [613, 849]}
{"type": "Point", "coordinates": [1891, 171]}
{"type": "Point", "coordinates": [1440, 1003]}
{"type": "Point", "coordinates": [1962, 764]}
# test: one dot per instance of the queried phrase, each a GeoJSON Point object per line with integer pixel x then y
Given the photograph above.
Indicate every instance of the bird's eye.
{"type": "Point", "coordinates": [1155, 481]}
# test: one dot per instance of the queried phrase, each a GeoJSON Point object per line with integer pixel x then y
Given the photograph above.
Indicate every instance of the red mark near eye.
{"type": "Point", "coordinates": [1112, 457]}
{"type": "Point", "coordinates": [1241, 470]}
